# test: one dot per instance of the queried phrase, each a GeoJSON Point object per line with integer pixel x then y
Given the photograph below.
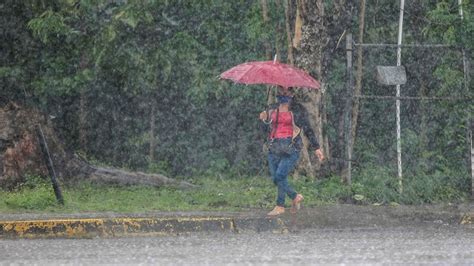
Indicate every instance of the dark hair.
{"type": "Point", "coordinates": [281, 90]}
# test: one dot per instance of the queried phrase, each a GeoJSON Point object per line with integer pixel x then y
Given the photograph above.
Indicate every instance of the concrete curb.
{"type": "Point", "coordinates": [90, 225]}
{"type": "Point", "coordinates": [132, 226]}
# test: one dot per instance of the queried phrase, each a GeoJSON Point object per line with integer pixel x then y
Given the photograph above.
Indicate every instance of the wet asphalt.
{"type": "Point", "coordinates": [438, 244]}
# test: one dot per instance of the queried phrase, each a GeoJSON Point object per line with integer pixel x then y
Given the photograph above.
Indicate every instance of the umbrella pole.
{"type": "Point", "coordinates": [267, 110]}
{"type": "Point", "coordinates": [268, 95]}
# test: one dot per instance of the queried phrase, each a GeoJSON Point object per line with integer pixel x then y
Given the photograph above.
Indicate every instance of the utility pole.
{"type": "Point", "coordinates": [470, 122]}
{"type": "Point", "coordinates": [348, 119]}
{"type": "Point", "coordinates": [472, 159]}
{"type": "Point", "coordinates": [399, 60]}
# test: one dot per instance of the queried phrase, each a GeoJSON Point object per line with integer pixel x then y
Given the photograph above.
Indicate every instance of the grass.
{"type": "Point", "coordinates": [228, 194]}
{"type": "Point", "coordinates": [212, 194]}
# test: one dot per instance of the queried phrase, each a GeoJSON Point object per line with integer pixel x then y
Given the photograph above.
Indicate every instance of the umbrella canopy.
{"type": "Point", "coordinates": [271, 73]}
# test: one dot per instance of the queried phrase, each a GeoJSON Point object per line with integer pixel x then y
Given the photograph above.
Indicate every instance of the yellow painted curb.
{"type": "Point", "coordinates": [468, 218]}
{"type": "Point", "coordinates": [112, 227]}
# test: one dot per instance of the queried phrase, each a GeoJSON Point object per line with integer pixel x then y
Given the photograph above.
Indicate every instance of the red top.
{"type": "Point", "coordinates": [284, 126]}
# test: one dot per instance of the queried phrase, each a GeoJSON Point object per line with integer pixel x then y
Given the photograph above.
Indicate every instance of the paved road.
{"type": "Point", "coordinates": [433, 244]}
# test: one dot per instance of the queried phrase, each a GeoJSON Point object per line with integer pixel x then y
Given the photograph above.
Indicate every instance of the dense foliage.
{"type": "Point", "coordinates": [105, 69]}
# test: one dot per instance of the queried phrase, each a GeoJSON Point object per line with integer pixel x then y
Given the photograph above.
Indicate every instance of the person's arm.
{"type": "Point", "coordinates": [302, 121]}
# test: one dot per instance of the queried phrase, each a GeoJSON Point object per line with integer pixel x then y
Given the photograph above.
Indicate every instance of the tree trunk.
{"type": "Point", "coordinates": [291, 60]}
{"type": "Point", "coordinates": [309, 58]}
{"type": "Point", "coordinates": [82, 120]}
{"type": "Point", "coordinates": [278, 32]}
{"type": "Point", "coordinates": [423, 109]}
{"type": "Point", "coordinates": [20, 155]}
{"type": "Point", "coordinates": [82, 108]}
{"type": "Point", "coordinates": [358, 87]}
{"type": "Point", "coordinates": [152, 133]}
{"type": "Point", "coordinates": [120, 177]}
{"type": "Point", "coordinates": [266, 43]}
{"type": "Point", "coordinates": [298, 23]}
{"type": "Point", "coordinates": [320, 35]}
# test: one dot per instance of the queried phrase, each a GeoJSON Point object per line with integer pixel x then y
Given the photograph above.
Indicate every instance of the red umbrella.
{"type": "Point", "coordinates": [271, 73]}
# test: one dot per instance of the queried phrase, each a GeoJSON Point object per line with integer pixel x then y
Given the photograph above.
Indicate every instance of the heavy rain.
{"type": "Point", "coordinates": [198, 132]}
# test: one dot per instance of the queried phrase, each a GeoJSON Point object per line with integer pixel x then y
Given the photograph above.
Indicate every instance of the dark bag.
{"type": "Point", "coordinates": [281, 147]}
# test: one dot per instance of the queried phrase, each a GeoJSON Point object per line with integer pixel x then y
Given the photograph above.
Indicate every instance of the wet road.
{"type": "Point", "coordinates": [439, 244]}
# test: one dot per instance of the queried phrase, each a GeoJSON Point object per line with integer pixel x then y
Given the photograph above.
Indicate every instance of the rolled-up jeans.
{"type": "Point", "coordinates": [280, 167]}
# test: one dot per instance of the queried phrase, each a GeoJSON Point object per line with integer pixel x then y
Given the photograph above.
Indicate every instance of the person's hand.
{"type": "Point", "coordinates": [263, 116]}
{"type": "Point", "coordinates": [319, 154]}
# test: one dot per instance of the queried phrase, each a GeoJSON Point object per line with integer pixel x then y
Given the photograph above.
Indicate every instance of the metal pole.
{"type": "Point", "coordinates": [49, 165]}
{"type": "Point", "coordinates": [464, 58]}
{"type": "Point", "coordinates": [399, 59]}
{"type": "Point", "coordinates": [472, 159]}
{"type": "Point", "coordinates": [348, 119]}
{"type": "Point", "coordinates": [469, 122]}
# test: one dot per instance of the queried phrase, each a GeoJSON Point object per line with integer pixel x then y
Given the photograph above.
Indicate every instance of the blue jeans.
{"type": "Point", "coordinates": [280, 167]}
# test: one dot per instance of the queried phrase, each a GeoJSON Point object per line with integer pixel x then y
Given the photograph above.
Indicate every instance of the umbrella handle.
{"type": "Point", "coordinates": [267, 122]}
{"type": "Point", "coordinates": [267, 110]}
{"type": "Point", "coordinates": [268, 119]}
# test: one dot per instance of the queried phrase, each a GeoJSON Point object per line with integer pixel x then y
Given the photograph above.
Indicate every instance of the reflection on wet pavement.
{"type": "Point", "coordinates": [434, 244]}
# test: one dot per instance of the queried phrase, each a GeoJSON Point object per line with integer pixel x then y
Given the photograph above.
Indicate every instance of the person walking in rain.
{"type": "Point", "coordinates": [283, 125]}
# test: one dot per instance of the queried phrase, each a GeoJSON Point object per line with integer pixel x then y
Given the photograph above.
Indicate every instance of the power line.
{"type": "Point", "coordinates": [413, 45]}
{"type": "Point", "coordinates": [377, 97]}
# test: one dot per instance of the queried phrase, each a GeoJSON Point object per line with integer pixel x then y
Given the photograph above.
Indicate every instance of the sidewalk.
{"type": "Point", "coordinates": [89, 225]}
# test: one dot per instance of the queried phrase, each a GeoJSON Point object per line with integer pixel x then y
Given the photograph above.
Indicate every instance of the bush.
{"type": "Point", "coordinates": [441, 186]}
{"type": "Point", "coordinates": [331, 190]}
{"type": "Point", "coordinates": [378, 184]}
{"type": "Point", "coordinates": [39, 198]}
